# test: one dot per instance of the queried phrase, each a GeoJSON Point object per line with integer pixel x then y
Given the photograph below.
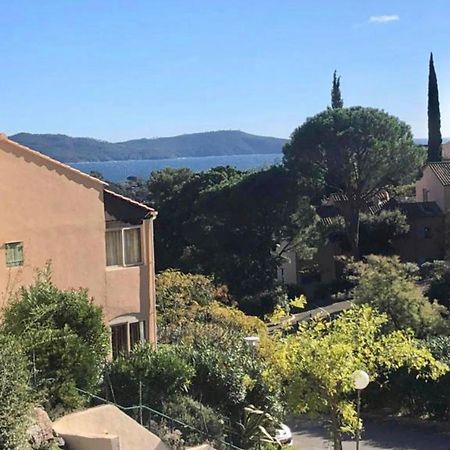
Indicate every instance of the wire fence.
{"type": "Point", "coordinates": [151, 418]}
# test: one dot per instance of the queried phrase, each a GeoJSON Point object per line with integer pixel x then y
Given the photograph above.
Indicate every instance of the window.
{"type": "Point", "coordinates": [132, 247]}
{"type": "Point", "coordinates": [14, 254]}
{"type": "Point", "coordinates": [425, 194]}
{"type": "Point", "coordinates": [424, 233]}
{"type": "Point", "coordinates": [120, 333]}
{"type": "Point", "coordinates": [114, 253]}
{"type": "Point", "coordinates": [137, 333]}
{"type": "Point", "coordinates": [119, 339]}
{"type": "Point", "coordinates": [123, 247]}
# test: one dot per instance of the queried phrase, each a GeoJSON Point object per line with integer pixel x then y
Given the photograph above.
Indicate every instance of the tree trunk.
{"type": "Point", "coordinates": [336, 431]}
{"type": "Point", "coordinates": [352, 229]}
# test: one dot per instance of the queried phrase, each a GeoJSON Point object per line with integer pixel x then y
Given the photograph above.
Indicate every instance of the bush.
{"type": "Point", "coordinates": [437, 276]}
{"type": "Point", "coordinates": [201, 417]}
{"type": "Point", "coordinates": [265, 302]}
{"type": "Point", "coordinates": [391, 287]}
{"type": "Point", "coordinates": [229, 377]}
{"type": "Point", "coordinates": [405, 393]}
{"type": "Point", "coordinates": [158, 374]}
{"type": "Point", "coordinates": [64, 337]}
{"type": "Point", "coordinates": [16, 395]}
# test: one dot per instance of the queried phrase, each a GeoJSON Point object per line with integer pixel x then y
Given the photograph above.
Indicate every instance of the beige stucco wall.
{"type": "Point", "coordinates": [126, 291]}
{"type": "Point", "coordinates": [287, 272]}
{"type": "Point", "coordinates": [92, 442]}
{"type": "Point", "coordinates": [58, 215]}
{"type": "Point", "coordinates": [109, 421]}
{"type": "Point", "coordinates": [436, 192]}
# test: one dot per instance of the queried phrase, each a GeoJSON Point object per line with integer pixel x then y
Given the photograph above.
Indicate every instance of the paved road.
{"type": "Point", "coordinates": [378, 435]}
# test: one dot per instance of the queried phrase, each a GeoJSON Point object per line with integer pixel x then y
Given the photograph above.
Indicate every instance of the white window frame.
{"type": "Point", "coordinates": [122, 230]}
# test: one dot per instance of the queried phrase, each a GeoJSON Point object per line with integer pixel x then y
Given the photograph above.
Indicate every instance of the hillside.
{"type": "Point", "coordinates": [213, 143]}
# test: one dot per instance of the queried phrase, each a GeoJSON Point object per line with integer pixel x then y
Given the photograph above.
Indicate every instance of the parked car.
{"type": "Point", "coordinates": [283, 434]}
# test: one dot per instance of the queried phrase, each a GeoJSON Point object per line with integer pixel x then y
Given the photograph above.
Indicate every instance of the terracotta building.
{"type": "Point", "coordinates": [92, 237]}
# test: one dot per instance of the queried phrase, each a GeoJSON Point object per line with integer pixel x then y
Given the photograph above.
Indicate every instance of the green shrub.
{"type": "Point", "coordinates": [228, 376]}
{"type": "Point", "coordinates": [153, 375]}
{"type": "Point", "coordinates": [16, 396]}
{"type": "Point", "coordinates": [405, 393]}
{"type": "Point", "coordinates": [64, 337]}
{"type": "Point", "coordinates": [195, 414]}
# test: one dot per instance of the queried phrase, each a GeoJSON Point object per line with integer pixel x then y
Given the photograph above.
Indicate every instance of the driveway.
{"type": "Point", "coordinates": [388, 434]}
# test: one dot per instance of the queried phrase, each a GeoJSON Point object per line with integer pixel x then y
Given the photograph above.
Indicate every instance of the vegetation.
{"type": "Point", "coordinates": [64, 338]}
{"type": "Point", "coordinates": [322, 356]}
{"type": "Point", "coordinates": [402, 392]}
{"type": "Point", "coordinates": [436, 276]}
{"type": "Point", "coordinates": [16, 395]}
{"type": "Point", "coordinates": [147, 375]}
{"type": "Point", "coordinates": [336, 97]}
{"type": "Point", "coordinates": [355, 152]}
{"type": "Point", "coordinates": [378, 232]}
{"type": "Point", "coordinates": [234, 226]}
{"type": "Point", "coordinates": [391, 287]}
{"type": "Point", "coordinates": [434, 116]}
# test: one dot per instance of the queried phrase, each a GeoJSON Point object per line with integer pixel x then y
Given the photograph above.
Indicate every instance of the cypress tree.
{"type": "Point", "coordinates": [336, 97]}
{"type": "Point", "coordinates": [434, 116]}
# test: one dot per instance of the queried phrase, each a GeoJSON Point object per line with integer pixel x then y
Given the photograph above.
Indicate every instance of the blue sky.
{"type": "Point", "coordinates": [118, 70]}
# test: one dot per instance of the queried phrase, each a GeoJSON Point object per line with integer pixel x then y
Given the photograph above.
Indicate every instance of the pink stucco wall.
{"type": "Point", "coordinates": [58, 214]}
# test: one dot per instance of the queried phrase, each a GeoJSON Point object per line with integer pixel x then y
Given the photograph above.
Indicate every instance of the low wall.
{"type": "Point", "coordinates": [105, 422]}
{"type": "Point", "coordinates": [91, 442]}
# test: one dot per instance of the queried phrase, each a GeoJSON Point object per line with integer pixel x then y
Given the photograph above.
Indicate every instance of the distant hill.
{"type": "Point", "coordinates": [214, 143]}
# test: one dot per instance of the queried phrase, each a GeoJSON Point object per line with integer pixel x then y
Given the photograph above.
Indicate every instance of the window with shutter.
{"type": "Point", "coordinates": [14, 254]}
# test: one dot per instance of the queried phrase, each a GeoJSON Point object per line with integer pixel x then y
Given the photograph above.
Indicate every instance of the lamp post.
{"type": "Point", "coordinates": [253, 342]}
{"type": "Point", "coordinates": [360, 381]}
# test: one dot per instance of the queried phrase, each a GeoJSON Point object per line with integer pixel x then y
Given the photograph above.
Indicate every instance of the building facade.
{"type": "Point", "coordinates": [91, 237]}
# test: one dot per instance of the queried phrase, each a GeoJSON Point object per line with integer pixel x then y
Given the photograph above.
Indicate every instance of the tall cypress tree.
{"type": "Point", "coordinates": [336, 97]}
{"type": "Point", "coordinates": [434, 116]}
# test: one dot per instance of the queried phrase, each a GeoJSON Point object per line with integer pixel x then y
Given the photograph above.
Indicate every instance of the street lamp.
{"type": "Point", "coordinates": [360, 381]}
{"type": "Point", "coordinates": [253, 342]}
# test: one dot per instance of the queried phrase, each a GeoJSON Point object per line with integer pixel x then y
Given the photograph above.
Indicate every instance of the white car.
{"type": "Point", "coordinates": [283, 434]}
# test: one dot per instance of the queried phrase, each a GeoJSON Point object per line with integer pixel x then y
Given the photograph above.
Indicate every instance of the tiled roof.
{"type": "Point", "coordinates": [124, 210]}
{"type": "Point", "coordinates": [416, 209]}
{"type": "Point", "coordinates": [442, 171]}
{"type": "Point", "coordinates": [6, 143]}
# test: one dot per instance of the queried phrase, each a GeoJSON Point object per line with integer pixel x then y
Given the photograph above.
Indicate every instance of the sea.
{"type": "Point", "coordinates": [119, 170]}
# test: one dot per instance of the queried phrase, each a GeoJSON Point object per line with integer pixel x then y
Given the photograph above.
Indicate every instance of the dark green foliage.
{"type": "Point", "coordinates": [355, 152]}
{"type": "Point", "coordinates": [159, 374]}
{"type": "Point", "coordinates": [436, 275]}
{"type": "Point", "coordinates": [227, 223]}
{"type": "Point", "coordinates": [378, 231]}
{"type": "Point", "coordinates": [405, 393]}
{"type": "Point", "coordinates": [228, 377]}
{"type": "Point", "coordinates": [263, 303]}
{"type": "Point", "coordinates": [336, 97]}
{"type": "Point", "coordinates": [163, 185]}
{"type": "Point", "coordinates": [16, 399]}
{"type": "Point", "coordinates": [434, 116]}
{"type": "Point", "coordinates": [197, 415]}
{"type": "Point", "coordinates": [64, 337]}
{"type": "Point", "coordinates": [227, 142]}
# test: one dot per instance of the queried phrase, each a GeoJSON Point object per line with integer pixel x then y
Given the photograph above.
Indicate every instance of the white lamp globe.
{"type": "Point", "coordinates": [360, 379]}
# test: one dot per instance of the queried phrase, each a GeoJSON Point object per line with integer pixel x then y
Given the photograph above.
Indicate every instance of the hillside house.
{"type": "Point", "coordinates": [428, 239]}
{"type": "Point", "coordinates": [92, 237]}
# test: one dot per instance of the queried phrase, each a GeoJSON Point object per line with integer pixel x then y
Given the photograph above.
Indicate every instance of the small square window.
{"type": "Point", "coordinates": [14, 254]}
